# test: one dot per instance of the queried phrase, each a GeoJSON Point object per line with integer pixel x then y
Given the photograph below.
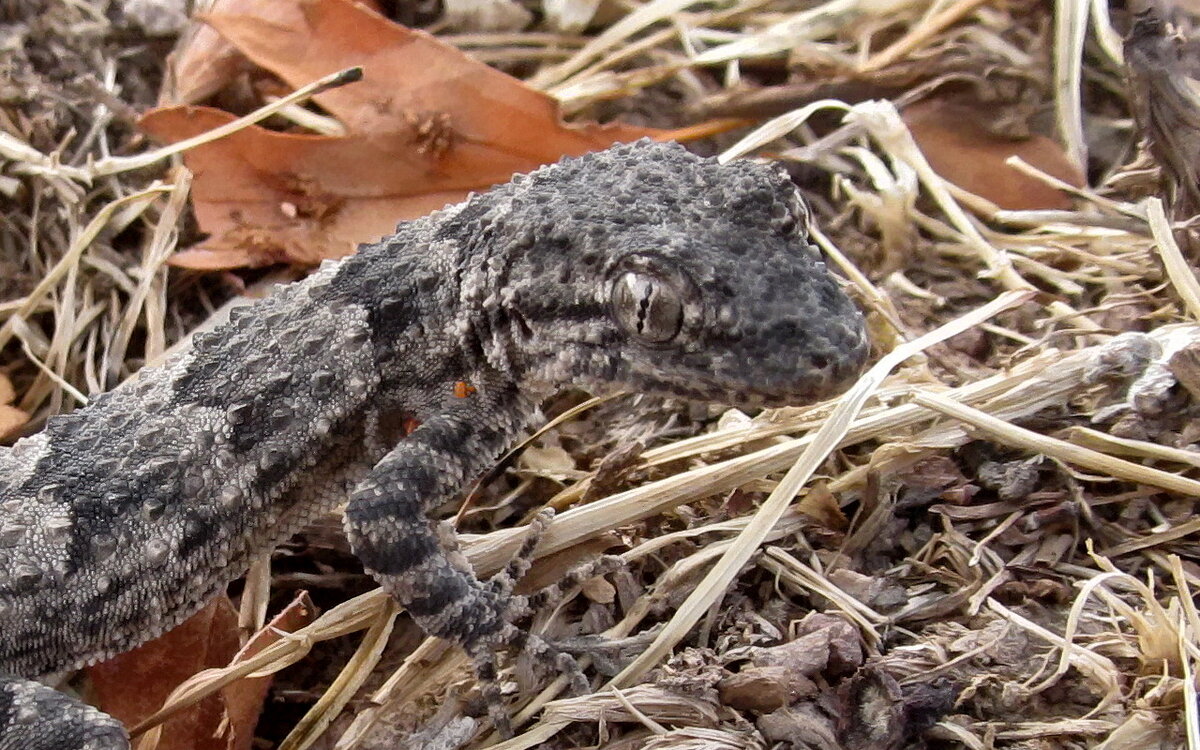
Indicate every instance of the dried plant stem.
{"type": "Point", "coordinates": [884, 123]}
{"type": "Point", "coordinates": [71, 258]}
{"type": "Point", "coordinates": [1178, 270]}
{"type": "Point", "coordinates": [31, 161]}
{"type": "Point", "coordinates": [919, 34]}
{"type": "Point", "coordinates": [1010, 434]}
{"type": "Point", "coordinates": [1070, 27]}
{"type": "Point", "coordinates": [318, 718]}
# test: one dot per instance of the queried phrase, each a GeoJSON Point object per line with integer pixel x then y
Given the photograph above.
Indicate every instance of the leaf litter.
{"type": "Point", "coordinates": [453, 126]}
{"type": "Point", "coordinates": [997, 539]}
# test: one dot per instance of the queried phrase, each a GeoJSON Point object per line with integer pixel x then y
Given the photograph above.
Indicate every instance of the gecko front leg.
{"type": "Point", "coordinates": [415, 558]}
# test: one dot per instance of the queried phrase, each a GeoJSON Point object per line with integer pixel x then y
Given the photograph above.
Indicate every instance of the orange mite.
{"type": "Point", "coordinates": [462, 389]}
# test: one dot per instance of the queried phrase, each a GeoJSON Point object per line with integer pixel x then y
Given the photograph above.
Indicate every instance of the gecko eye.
{"type": "Point", "coordinates": [647, 306]}
{"type": "Point", "coordinates": [798, 218]}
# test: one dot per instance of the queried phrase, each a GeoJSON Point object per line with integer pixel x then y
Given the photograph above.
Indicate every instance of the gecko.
{"type": "Point", "coordinates": [642, 268]}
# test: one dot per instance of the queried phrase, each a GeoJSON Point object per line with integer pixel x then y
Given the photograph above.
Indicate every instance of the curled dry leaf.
{"type": "Point", "coordinates": [959, 146]}
{"type": "Point", "coordinates": [11, 418]}
{"type": "Point", "coordinates": [426, 126]}
{"type": "Point", "coordinates": [823, 644]}
{"type": "Point", "coordinates": [822, 506]}
{"type": "Point", "coordinates": [872, 716]}
{"type": "Point", "coordinates": [802, 725]}
{"type": "Point", "coordinates": [204, 62]}
{"type": "Point", "coordinates": [244, 698]}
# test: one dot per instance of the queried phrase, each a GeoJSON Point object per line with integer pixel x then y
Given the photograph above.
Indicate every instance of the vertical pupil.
{"type": "Point", "coordinates": [646, 306]}
{"type": "Point", "coordinates": [647, 294]}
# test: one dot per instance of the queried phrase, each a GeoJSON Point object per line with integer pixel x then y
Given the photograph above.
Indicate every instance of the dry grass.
{"type": "Point", "coordinates": [1019, 499]}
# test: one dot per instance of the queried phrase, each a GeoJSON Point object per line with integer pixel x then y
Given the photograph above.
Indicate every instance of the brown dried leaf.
{"type": "Point", "coordinates": [823, 644]}
{"type": "Point", "coordinates": [873, 718]}
{"type": "Point", "coordinates": [763, 688]}
{"type": "Point", "coordinates": [244, 698]}
{"type": "Point", "coordinates": [929, 478]}
{"type": "Point", "coordinates": [11, 418]}
{"type": "Point", "coordinates": [1184, 365]}
{"type": "Point", "coordinates": [204, 62]}
{"type": "Point", "coordinates": [803, 725]}
{"type": "Point", "coordinates": [959, 146]}
{"type": "Point", "coordinates": [427, 125]}
{"type": "Point", "coordinates": [822, 506]}
{"type": "Point", "coordinates": [133, 685]}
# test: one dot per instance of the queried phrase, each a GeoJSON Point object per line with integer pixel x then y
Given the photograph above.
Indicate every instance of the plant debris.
{"type": "Point", "coordinates": [990, 542]}
{"type": "Point", "coordinates": [426, 126]}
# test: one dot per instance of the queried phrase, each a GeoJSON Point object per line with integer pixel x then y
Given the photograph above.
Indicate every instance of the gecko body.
{"type": "Point", "coordinates": [642, 267]}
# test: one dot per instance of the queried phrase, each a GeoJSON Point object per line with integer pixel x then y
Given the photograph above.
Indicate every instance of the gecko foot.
{"type": "Point", "coordinates": [550, 657]}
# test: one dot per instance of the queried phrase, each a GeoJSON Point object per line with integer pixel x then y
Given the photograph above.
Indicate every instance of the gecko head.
{"type": "Point", "coordinates": [647, 268]}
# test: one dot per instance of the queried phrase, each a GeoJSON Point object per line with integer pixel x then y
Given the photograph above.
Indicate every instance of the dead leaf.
{"type": "Point", "coordinates": [803, 725]}
{"type": "Point", "coordinates": [133, 685]}
{"type": "Point", "coordinates": [763, 689]}
{"type": "Point", "coordinates": [204, 62]}
{"type": "Point", "coordinates": [878, 713]}
{"type": "Point", "coordinates": [426, 126]}
{"type": "Point", "coordinates": [822, 506]}
{"type": "Point", "coordinates": [548, 460]}
{"type": "Point", "coordinates": [11, 418]}
{"type": "Point", "coordinates": [244, 698]}
{"type": "Point", "coordinates": [959, 146]}
{"type": "Point", "coordinates": [872, 715]}
{"type": "Point", "coordinates": [1183, 364]}
{"type": "Point", "coordinates": [823, 644]}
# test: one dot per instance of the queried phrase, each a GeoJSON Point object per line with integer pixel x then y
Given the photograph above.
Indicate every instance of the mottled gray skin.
{"type": "Point", "coordinates": [642, 268]}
